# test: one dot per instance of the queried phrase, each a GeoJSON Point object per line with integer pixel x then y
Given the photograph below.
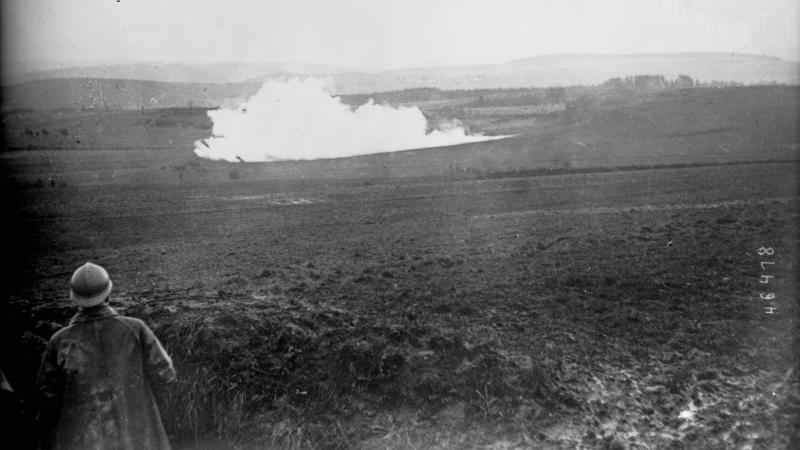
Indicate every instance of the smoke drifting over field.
{"type": "Point", "coordinates": [299, 120]}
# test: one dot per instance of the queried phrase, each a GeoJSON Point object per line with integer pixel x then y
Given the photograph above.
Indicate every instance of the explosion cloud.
{"type": "Point", "coordinates": [299, 120]}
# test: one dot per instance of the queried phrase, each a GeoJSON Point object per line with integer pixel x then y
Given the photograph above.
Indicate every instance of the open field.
{"type": "Point", "coordinates": [392, 301]}
{"type": "Point", "coordinates": [626, 296]}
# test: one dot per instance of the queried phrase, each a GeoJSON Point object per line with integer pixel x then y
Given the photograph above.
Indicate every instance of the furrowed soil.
{"type": "Point", "coordinates": [595, 310]}
{"type": "Point", "coordinates": [551, 290]}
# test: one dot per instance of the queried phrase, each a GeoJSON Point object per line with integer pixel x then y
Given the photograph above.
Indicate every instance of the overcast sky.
{"type": "Point", "coordinates": [374, 35]}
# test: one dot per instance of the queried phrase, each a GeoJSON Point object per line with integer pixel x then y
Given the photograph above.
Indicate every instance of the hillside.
{"type": "Point", "coordinates": [90, 93]}
{"type": "Point", "coordinates": [571, 70]}
{"type": "Point", "coordinates": [218, 85]}
{"type": "Point", "coordinates": [443, 298]}
{"type": "Point", "coordinates": [171, 73]}
{"type": "Point", "coordinates": [601, 310]}
{"type": "Point", "coordinates": [677, 127]}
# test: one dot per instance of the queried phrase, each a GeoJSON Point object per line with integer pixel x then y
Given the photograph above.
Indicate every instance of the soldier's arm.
{"type": "Point", "coordinates": [158, 364]}
{"type": "Point", "coordinates": [49, 386]}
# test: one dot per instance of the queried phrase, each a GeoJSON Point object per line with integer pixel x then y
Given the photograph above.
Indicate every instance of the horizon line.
{"type": "Point", "coordinates": [338, 69]}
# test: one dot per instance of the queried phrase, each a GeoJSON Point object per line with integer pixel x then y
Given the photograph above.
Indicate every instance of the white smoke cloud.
{"type": "Point", "coordinates": [299, 120]}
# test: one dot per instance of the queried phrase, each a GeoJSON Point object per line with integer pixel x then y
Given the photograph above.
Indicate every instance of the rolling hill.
{"type": "Point", "coordinates": [171, 73]}
{"type": "Point", "coordinates": [93, 93]}
{"type": "Point", "coordinates": [572, 70]}
{"type": "Point", "coordinates": [674, 127]}
{"type": "Point", "coordinates": [148, 86]}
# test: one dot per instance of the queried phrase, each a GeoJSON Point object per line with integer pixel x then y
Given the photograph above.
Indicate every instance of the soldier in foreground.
{"type": "Point", "coordinates": [100, 375]}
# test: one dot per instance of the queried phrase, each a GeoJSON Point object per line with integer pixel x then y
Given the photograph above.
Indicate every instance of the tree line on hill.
{"type": "Point", "coordinates": [484, 98]}
{"type": "Point", "coordinates": [650, 82]}
{"type": "Point", "coordinates": [660, 82]}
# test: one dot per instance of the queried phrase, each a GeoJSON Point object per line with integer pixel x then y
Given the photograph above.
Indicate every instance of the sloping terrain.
{"type": "Point", "coordinates": [146, 86]}
{"type": "Point", "coordinates": [105, 93]}
{"type": "Point", "coordinates": [540, 71]}
{"type": "Point", "coordinates": [171, 73]}
{"type": "Point", "coordinates": [618, 129]}
{"type": "Point", "coordinates": [588, 310]}
{"type": "Point", "coordinates": [499, 295]}
{"type": "Point", "coordinates": [573, 70]}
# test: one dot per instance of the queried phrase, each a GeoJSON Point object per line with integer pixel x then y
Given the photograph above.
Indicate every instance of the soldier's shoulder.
{"type": "Point", "coordinates": [134, 325]}
{"type": "Point", "coordinates": [61, 333]}
{"type": "Point", "coordinates": [131, 321]}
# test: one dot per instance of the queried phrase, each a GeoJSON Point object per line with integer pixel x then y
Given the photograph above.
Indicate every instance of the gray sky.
{"type": "Point", "coordinates": [374, 35]}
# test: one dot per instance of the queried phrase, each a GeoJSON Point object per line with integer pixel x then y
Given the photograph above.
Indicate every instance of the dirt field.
{"type": "Point", "coordinates": [435, 299]}
{"type": "Point", "coordinates": [574, 310]}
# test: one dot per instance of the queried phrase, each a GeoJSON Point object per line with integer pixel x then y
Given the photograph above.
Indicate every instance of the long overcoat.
{"type": "Point", "coordinates": [96, 384]}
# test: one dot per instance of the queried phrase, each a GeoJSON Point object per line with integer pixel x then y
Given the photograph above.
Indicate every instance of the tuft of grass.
{"type": "Point", "coordinates": [286, 374]}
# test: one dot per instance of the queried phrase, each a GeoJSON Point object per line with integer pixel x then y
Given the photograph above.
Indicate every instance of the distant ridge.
{"type": "Point", "coordinates": [179, 85]}
{"type": "Point", "coordinates": [572, 70]}
{"type": "Point", "coordinates": [173, 73]}
{"type": "Point", "coordinates": [93, 93]}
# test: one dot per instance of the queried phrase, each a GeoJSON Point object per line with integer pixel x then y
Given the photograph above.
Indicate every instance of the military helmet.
{"type": "Point", "coordinates": [89, 285]}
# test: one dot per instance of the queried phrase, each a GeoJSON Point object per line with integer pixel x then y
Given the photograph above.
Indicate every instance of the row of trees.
{"type": "Point", "coordinates": [660, 82]}
{"type": "Point", "coordinates": [650, 82]}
